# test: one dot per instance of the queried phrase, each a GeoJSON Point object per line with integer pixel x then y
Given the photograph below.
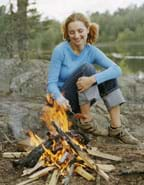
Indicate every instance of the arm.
{"type": "Point", "coordinates": [111, 71]}
{"type": "Point", "coordinates": [54, 72]}
{"type": "Point", "coordinates": [53, 78]}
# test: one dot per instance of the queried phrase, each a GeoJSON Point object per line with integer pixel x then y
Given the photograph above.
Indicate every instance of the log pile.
{"type": "Point", "coordinates": [60, 156]}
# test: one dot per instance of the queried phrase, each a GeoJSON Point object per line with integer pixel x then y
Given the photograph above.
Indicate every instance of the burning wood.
{"type": "Point", "coordinates": [30, 143]}
{"type": "Point", "coordinates": [61, 153]}
{"type": "Point", "coordinates": [32, 158]}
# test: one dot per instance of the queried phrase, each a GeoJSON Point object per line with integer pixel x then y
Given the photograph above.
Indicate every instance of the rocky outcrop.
{"type": "Point", "coordinates": [22, 92]}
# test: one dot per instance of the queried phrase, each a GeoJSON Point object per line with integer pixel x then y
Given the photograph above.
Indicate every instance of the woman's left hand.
{"type": "Point", "coordinates": [85, 82]}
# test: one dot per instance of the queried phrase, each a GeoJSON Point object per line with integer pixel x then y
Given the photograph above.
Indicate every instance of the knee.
{"type": "Point", "coordinates": [88, 69]}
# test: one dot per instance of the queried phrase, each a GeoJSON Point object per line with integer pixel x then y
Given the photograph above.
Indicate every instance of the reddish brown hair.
{"type": "Point", "coordinates": [93, 27]}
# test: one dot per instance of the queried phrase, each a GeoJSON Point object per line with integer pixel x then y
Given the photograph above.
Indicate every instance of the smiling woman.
{"type": "Point", "coordinates": [77, 34]}
{"type": "Point", "coordinates": [77, 31]}
{"type": "Point", "coordinates": [74, 83]}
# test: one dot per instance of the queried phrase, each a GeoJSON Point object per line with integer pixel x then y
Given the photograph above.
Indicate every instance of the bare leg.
{"type": "Point", "coordinates": [85, 111]}
{"type": "Point", "coordinates": [89, 124]}
{"type": "Point", "coordinates": [117, 130]}
{"type": "Point", "coordinates": [115, 117]}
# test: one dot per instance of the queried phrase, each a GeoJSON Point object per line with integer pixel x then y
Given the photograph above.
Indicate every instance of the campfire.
{"type": "Point", "coordinates": [62, 155]}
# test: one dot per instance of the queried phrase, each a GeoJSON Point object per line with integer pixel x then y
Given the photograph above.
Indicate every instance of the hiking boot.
{"type": "Point", "coordinates": [93, 127]}
{"type": "Point", "coordinates": [123, 135]}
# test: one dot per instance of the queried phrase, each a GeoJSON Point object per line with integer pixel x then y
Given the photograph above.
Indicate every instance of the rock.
{"type": "Point", "coordinates": [132, 88]}
{"type": "Point", "coordinates": [23, 86]}
{"type": "Point", "coordinates": [29, 84]}
{"type": "Point", "coordinates": [8, 70]}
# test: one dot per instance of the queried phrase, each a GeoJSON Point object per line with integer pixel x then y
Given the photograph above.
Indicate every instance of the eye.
{"type": "Point", "coordinates": [71, 32]}
{"type": "Point", "coordinates": [80, 30]}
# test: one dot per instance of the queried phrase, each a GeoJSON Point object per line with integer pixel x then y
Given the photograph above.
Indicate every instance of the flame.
{"type": "Point", "coordinates": [35, 140]}
{"type": "Point", "coordinates": [60, 154]}
{"type": "Point", "coordinates": [55, 112]}
{"type": "Point", "coordinates": [61, 159]}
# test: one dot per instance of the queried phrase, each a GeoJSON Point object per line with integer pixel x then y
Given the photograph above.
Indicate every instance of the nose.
{"type": "Point", "coordinates": [76, 35]}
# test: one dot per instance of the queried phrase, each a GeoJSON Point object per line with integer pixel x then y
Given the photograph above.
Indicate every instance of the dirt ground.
{"type": "Point", "coordinates": [129, 171]}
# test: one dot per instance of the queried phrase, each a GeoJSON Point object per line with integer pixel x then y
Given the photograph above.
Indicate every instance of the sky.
{"type": "Point", "coordinates": [60, 9]}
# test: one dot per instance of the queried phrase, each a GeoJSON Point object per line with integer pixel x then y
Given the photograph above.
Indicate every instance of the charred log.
{"type": "Point", "coordinates": [32, 158]}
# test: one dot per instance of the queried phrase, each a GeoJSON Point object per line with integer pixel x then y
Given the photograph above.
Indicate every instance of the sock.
{"type": "Point", "coordinates": [115, 127]}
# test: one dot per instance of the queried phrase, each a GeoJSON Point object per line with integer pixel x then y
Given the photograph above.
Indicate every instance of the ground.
{"type": "Point", "coordinates": [132, 162]}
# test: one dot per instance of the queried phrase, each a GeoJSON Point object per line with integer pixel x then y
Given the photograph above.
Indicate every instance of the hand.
{"type": "Point", "coordinates": [62, 101]}
{"type": "Point", "coordinates": [85, 82]}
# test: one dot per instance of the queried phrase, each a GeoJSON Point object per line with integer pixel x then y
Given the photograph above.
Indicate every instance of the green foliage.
{"type": "Point", "coordinates": [24, 30]}
{"type": "Point", "coordinates": [46, 38]}
{"type": "Point", "coordinates": [124, 25]}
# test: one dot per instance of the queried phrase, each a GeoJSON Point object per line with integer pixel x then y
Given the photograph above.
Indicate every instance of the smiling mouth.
{"type": "Point", "coordinates": [78, 40]}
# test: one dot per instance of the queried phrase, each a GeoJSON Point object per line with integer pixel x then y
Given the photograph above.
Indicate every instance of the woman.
{"type": "Point", "coordinates": [74, 83]}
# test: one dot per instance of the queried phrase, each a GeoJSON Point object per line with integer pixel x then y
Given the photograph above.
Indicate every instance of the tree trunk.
{"type": "Point", "coordinates": [22, 33]}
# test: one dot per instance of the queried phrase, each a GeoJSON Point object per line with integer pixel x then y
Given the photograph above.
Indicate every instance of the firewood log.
{"type": "Point", "coordinates": [84, 173]}
{"type": "Point", "coordinates": [54, 178]}
{"type": "Point", "coordinates": [41, 172]}
{"type": "Point", "coordinates": [14, 155]}
{"type": "Point", "coordinates": [32, 158]}
{"type": "Point", "coordinates": [93, 151]}
{"type": "Point", "coordinates": [89, 162]}
{"type": "Point", "coordinates": [28, 171]}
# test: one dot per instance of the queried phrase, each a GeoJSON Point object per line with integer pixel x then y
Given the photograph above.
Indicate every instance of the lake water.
{"type": "Point", "coordinates": [125, 50]}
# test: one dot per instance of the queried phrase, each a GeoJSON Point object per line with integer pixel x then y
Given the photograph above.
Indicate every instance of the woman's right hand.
{"type": "Point", "coordinates": [62, 101]}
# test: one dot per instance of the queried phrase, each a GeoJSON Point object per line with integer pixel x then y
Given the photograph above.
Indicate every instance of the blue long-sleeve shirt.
{"type": "Point", "coordinates": [64, 62]}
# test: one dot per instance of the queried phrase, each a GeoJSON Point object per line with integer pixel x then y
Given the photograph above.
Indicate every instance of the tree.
{"type": "Point", "coordinates": [22, 26]}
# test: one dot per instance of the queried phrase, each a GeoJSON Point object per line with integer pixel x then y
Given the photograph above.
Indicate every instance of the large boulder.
{"type": "Point", "coordinates": [8, 70]}
{"type": "Point", "coordinates": [22, 92]}
{"type": "Point", "coordinates": [133, 88]}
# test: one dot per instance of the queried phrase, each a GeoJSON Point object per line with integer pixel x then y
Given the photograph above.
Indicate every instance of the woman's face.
{"type": "Point", "coordinates": [78, 33]}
